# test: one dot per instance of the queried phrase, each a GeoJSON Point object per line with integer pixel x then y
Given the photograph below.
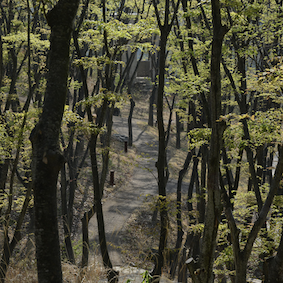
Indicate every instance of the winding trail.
{"type": "Point", "coordinates": [118, 209]}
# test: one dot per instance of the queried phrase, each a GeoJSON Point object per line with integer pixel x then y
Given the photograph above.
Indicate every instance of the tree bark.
{"type": "Point", "coordinates": [180, 231]}
{"type": "Point", "coordinates": [273, 266]}
{"type": "Point", "coordinates": [213, 208]}
{"type": "Point", "coordinates": [161, 163]}
{"type": "Point", "coordinates": [130, 128]}
{"type": "Point", "coordinates": [47, 157]}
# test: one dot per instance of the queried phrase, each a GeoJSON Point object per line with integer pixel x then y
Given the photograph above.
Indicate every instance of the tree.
{"type": "Point", "coordinates": [47, 157]}
{"type": "Point", "coordinates": [161, 164]}
{"type": "Point", "coordinates": [273, 266]}
{"type": "Point", "coordinates": [213, 207]}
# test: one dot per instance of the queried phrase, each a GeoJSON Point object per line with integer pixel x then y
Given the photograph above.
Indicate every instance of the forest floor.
{"type": "Point", "coordinates": [121, 209]}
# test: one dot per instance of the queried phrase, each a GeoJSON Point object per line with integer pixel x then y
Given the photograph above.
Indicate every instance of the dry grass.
{"type": "Point", "coordinates": [71, 273]}
{"type": "Point", "coordinates": [140, 237]}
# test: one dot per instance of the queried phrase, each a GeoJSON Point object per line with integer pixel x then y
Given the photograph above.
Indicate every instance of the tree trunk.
{"type": "Point", "coordinates": [180, 231]}
{"type": "Point", "coordinates": [273, 266]}
{"type": "Point", "coordinates": [112, 275]}
{"type": "Point", "coordinates": [178, 131]}
{"type": "Point", "coordinates": [47, 157]}
{"type": "Point", "coordinates": [273, 271]}
{"type": "Point", "coordinates": [241, 269]}
{"type": "Point", "coordinates": [1, 58]}
{"type": "Point", "coordinates": [106, 147]}
{"type": "Point", "coordinates": [85, 220]}
{"type": "Point", "coordinates": [130, 127]}
{"type": "Point", "coordinates": [213, 209]}
{"type": "Point", "coordinates": [161, 163]}
{"type": "Point", "coordinates": [151, 103]}
{"type": "Point", "coordinates": [67, 230]}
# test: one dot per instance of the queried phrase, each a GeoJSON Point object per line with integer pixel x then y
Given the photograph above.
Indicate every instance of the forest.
{"type": "Point", "coordinates": [201, 80]}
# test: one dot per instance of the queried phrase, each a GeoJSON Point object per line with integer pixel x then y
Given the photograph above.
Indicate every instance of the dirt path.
{"type": "Point", "coordinates": [130, 196]}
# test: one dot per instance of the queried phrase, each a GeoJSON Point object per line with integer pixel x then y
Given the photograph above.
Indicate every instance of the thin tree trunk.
{"type": "Point", "coordinates": [151, 103]}
{"type": "Point", "coordinates": [66, 227]}
{"type": "Point", "coordinates": [180, 231]}
{"type": "Point", "coordinates": [178, 131]}
{"type": "Point", "coordinates": [161, 163]}
{"type": "Point", "coordinates": [213, 208]}
{"type": "Point", "coordinates": [130, 127]}
{"type": "Point", "coordinates": [85, 220]}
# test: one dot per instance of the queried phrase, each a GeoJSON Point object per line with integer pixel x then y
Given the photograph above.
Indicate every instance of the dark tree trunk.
{"type": "Point", "coordinates": [178, 131]}
{"type": "Point", "coordinates": [85, 220]}
{"type": "Point", "coordinates": [161, 163]}
{"type": "Point", "coordinates": [130, 128]}
{"type": "Point", "coordinates": [1, 58]}
{"type": "Point", "coordinates": [106, 147]}
{"type": "Point", "coordinates": [66, 227]}
{"type": "Point", "coordinates": [47, 157]}
{"type": "Point", "coordinates": [180, 231]}
{"type": "Point", "coordinates": [213, 208]}
{"type": "Point", "coordinates": [4, 168]}
{"type": "Point", "coordinates": [171, 107]}
{"type": "Point", "coordinates": [112, 275]}
{"type": "Point", "coordinates": [151, 103]}
{"type": "Point", "coordinates": [202, 195]}
{"type": "Point", "coordinates": [273, 266]}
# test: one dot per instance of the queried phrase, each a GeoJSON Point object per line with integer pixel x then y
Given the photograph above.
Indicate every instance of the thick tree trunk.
{"type": "Point", "coordinates": [273, 270]}
{"type": "Point", "coordinates": [241, 269]}
{"type": "Point", "coordinates": [47, 157]}
{"type": "Point", "coordinates": [1, 58]}
{"type": "Point", "coordinates": [273, 266]}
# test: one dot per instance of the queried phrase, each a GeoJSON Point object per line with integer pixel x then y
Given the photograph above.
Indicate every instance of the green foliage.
{"type": "Point", "coordinates": [146, 277]}
{"type": "Point", "coordinates": [198, 137]}
{"type": "Point", "coordinates": [17, 39]}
